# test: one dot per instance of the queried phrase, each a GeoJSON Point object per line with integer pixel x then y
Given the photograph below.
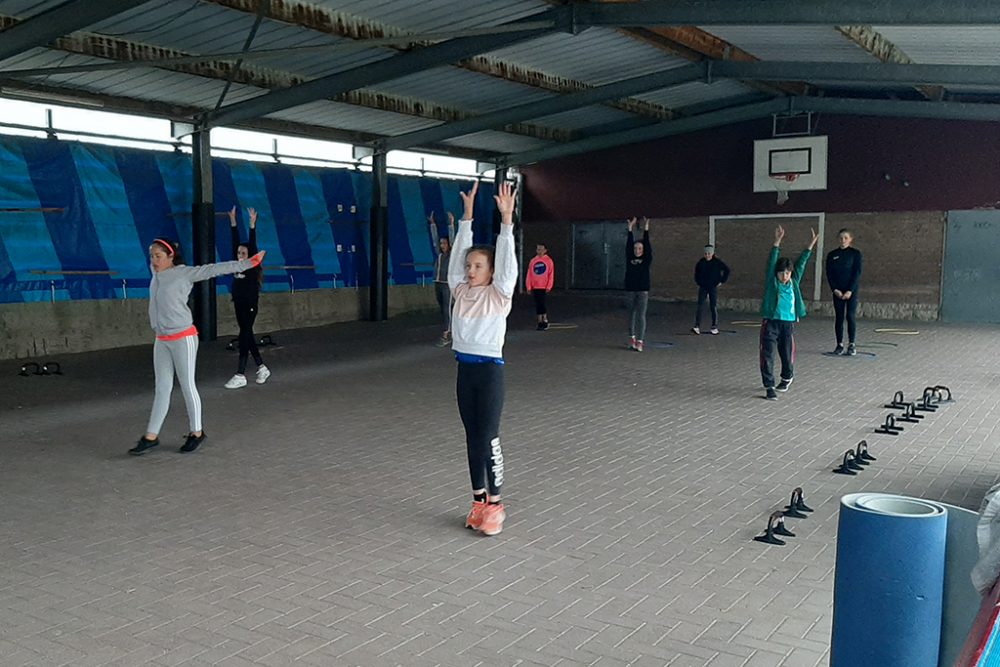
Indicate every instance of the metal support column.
{"type": "Point", "coordinates": [378, 290]}
{"type": "Point", "coordinates": [203, 233]}
{"type": "Point", "coordinates": [499, 176]}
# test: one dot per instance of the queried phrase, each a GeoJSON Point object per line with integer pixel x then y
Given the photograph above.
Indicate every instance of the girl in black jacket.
{"type": "Point", "coordinates": [246, 295]}
{"type": "Point", "coordinates": [638, 257]}
{"type": "Point", "coordinates": [843, 271]}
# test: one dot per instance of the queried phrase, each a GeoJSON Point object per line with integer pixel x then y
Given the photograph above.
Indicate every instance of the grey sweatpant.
{"type": "Point", "coordinates": [637, 314]}
{"type": "Point", "coordinates": [443, 293]}
{"type": "Point", "coordinates": [169, 357]}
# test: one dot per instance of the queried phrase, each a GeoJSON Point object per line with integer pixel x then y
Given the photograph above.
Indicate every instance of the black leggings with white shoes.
{"type": "Point", "coordinates": [246, 315]}
{"type": "Point", "coordinates": [480, 401]}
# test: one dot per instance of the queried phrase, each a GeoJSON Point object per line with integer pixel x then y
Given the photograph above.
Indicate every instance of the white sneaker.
{"type": "Point", "coordinates": [236, 382]}
{"type": "Point", "coordinates": [262, 374]}
{"type": "Point", "coordinates": [696, 331]}
{"type": "Point", "coordinates": [714, 331]}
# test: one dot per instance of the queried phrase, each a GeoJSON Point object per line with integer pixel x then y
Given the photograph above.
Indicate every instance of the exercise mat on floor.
{"type": "Point", "coordinates": [889, 582]}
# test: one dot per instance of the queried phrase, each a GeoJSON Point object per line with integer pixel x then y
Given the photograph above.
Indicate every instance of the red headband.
{"type": "Point", "coordinates": [165, 244]}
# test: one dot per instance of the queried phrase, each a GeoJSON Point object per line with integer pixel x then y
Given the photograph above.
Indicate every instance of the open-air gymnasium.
{"type": "Point", "coordinates": [508, 333]}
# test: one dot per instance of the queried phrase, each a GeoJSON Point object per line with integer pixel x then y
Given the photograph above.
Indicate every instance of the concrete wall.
{"type": "Point", "coordinates": [33, 330]}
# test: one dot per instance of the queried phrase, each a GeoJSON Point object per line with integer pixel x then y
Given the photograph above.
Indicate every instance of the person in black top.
{"type": "Point", "coordinates": [246, 294]}
{"type": "Point", "coordinates": [638, 257]}
{"type": "Point", "coordinates": [709, 273]}
{"type": "Point", "coordinates": [843, 271]}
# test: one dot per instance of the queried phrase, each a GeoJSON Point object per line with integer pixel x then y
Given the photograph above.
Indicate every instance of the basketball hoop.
{"type": "Point", "coordinates": [782, 184]}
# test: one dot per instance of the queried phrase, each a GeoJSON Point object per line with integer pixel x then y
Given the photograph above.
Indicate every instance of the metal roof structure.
{"type": "Point", "coordinates": [507, 81]}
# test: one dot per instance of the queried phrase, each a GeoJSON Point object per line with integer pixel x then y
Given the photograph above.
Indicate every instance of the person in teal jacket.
{"type": "Point", "coordinates": [780, 309]}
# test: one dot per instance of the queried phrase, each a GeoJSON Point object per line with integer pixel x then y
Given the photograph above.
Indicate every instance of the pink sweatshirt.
{"type": "Point", "coordinates": [479, 316]}
{"type": "Point", "coordinates": [540, 273]}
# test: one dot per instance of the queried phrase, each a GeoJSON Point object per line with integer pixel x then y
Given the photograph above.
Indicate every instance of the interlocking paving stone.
{"type": "Point", "coordinates": [321, 522]}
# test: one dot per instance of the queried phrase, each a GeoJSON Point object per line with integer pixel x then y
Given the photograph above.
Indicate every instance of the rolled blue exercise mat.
{"type": "Point", "coordinates": [961, 599]}
{"type": "Point", "coordinates": [889, 582]}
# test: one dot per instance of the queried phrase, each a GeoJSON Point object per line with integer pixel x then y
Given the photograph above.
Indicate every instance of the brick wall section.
{"type": "Point", "coordinates": [903, 253]}
{"type": "Point", "coordinates": [903, 257]}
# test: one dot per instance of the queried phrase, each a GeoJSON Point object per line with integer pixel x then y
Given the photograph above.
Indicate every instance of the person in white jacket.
{"type": "Point", "coordinates": [482, 281]}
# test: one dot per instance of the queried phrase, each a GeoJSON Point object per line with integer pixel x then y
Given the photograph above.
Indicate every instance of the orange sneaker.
{"type": "Point", "coordinates": [475, 518]}
{"type": "Point", "coordinates": [493, 517]}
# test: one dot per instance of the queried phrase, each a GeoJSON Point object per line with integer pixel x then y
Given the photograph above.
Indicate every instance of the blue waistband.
{"type": "Point", "coordinates": [477, 359]}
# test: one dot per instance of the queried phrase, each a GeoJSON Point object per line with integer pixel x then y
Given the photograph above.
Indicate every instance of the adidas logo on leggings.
{"type": "Point", "coordinates": [497, 457]}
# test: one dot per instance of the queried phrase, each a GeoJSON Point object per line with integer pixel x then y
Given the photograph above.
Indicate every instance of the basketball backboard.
{"type": "Point", "coordinates": [805, 157]}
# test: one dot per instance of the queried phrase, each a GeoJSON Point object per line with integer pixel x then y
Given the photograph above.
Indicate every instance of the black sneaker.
{"type": "Point", "coordinates": [545, 326]}
{"type": "Point", "coordinates": [193, 442]}
{"type": "Point", "coordinates": [540, 326]}
{"type": "Point", "coordinates": [839, 349]}
{"type": "Point", "coordinates": [783, 385]}
{"type": "Point", "coordinates": [851, 350]}
{"type": "Point", "coordinates": [771, 395]}
{"type": "Point", "coordinates": [143, 446]}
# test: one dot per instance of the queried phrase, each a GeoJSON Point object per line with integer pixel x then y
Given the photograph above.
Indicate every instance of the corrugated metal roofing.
{"type": "Point", "coordinates": [946, 45]}
{"type": "Point", "coordinates": [582, 118]}
{"type": "Point", "coordinates": [354, 118]}
{"type": "Point", "coordinates": [498, 142]}
{"type": "Point", "coordinates": [462, 89]}
{"type": "Point", "coordinates": [428, 15]}
{"type": "Point", "coordinates": [694, 93]}
{"type": "Point", "coordinates": [595, 56]}
{"type": "Point", "coordinates": [793, 42]}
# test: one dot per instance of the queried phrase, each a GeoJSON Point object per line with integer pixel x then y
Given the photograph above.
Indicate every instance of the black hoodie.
{"type": "Point", "coordinates": [709, 273]}
{"type": "Point", "coordinates": [637, 268]}
{"type": "Point", "coordinates": [246, 285]}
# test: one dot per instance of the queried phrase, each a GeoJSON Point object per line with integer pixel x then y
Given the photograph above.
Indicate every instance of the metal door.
{"type": "Point", "coordinates": [615, 236]}
{"type": "Point", "coordinates": [599, 255]}
{"type": "Point", "coordinates": [589, 263]}
{"type": "Point", "coordinates": [971, 281]}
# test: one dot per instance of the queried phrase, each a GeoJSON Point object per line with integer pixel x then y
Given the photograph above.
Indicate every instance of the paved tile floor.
{"type": "Point", "coordinates": [321, 523]}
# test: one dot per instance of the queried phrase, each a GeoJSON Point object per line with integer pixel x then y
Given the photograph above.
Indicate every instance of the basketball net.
{"type": "Point", "coordinates": [782, 184]}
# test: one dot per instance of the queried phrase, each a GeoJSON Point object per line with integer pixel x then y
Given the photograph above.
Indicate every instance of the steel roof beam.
{"type": "Point", "coordinates": [899, 108]}
{"type": "Point", "coordinates": [394, 67]}
{"type": "Point", "coordinates": [657, 131]}
{"type": "Point", "coordinates": [568, 102]}
{"type": "Point", "coordinates": [789, 12]}
{"type": "Point", "coordinates": [887, 73]}
{"type": "Point", "coordinates": [61, 20]}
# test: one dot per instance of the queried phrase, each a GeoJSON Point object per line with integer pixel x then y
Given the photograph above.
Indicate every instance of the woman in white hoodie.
{"type": "Point", "coordinates": [482, 281]}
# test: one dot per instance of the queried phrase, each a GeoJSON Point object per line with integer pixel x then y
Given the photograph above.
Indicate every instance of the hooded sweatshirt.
{"type": "Point", "coordinates": [541, 273]}
{"type": "Point", "coordinates": [479, 316]}
{"type": "Point", "coordinates": [637, 268]}
{"type": "Point", "coordinates": [169, 289]}
{"type": "Point", "coordinates": [246, 284]}
{"type": "Point", "coordinates": [769, 305]}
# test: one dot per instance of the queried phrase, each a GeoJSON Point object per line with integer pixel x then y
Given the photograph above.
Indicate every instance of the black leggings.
{"type": "Point", "coordinates": [245, 315]}
{"type": "Point", "coordinates": [539, 295]}
{"type": "Point", "coordinates": [845, 308]}
{"type": "Point", "coordinates": [480, 402]}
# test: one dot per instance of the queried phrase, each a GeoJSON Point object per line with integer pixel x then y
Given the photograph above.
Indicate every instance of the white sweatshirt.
{"type": "Point", "coordinates": [479, 316]}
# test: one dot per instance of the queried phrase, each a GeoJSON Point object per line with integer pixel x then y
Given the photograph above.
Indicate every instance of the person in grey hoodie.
{"type": "Point", "coordinates": [176, 347]}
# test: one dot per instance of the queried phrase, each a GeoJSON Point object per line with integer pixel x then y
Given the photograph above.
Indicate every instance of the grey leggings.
{"type": "Point", "coordinates": [443, 293]}
{"type": "Point", "coordinates": [169, 357]}
{"type": "Point", "coordinates": [637, 314]}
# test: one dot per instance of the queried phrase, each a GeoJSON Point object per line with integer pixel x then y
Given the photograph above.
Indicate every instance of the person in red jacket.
{"type": "Point", "coordinates": [538, 280]}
